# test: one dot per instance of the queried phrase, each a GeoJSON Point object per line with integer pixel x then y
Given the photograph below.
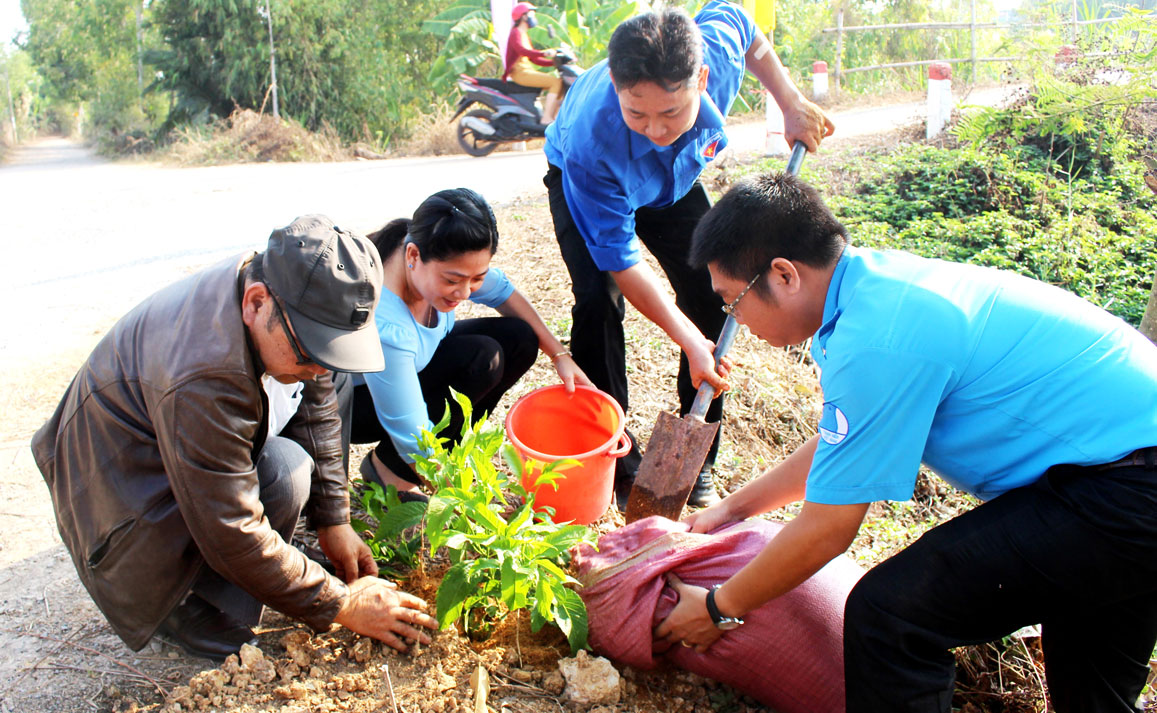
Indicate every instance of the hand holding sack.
{"type": "Point", "coordinates": [789, 652]}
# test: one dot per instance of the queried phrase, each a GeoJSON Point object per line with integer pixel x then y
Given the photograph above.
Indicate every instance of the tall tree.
{"type": "Point", "coordinates": [86, 51]}
{"type": "Point", "coordinates": [357, 67]}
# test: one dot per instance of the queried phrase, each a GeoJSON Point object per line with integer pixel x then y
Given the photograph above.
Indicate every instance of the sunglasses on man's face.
{"type": "Point", "coordinates": [302, 359]}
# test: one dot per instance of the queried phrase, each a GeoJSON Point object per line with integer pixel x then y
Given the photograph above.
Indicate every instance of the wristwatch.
{"type": "Point", "coordinates": [724, 623]}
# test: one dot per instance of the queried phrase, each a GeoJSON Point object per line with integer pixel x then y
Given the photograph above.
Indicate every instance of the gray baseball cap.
{"type": "Point", "coordinates": [328, 280]}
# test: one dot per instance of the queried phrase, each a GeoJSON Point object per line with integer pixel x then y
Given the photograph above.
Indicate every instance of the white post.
{"type": "Point", "coordinates": [939, 98]}
{"type": "Point", "coordinates": [819, 80]}
{"type": "Point", "coordinates": [501, 21]}
{"type": "Point", "coordinates": [775, 144]}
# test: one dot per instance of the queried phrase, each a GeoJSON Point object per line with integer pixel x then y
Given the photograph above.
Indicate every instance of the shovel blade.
{"type": "Point", "coordinates": [671, 463]}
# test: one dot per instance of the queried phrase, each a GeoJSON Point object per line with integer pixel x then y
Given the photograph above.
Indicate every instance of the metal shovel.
{"type": "Point", "coordinates": [678, 446]}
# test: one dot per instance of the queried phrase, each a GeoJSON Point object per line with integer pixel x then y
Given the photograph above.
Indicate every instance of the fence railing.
{"type": "Point", "coordinates": [973, 27]}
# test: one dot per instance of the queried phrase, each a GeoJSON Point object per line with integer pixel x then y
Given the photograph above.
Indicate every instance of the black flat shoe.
{"type": "Point", "coordinates": [203, 630]}
{"type": "Point", "coordinates": [370, 475]}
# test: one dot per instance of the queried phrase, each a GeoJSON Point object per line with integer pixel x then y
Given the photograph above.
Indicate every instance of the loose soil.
{"type": "Point", "coordinates": [57, 654]}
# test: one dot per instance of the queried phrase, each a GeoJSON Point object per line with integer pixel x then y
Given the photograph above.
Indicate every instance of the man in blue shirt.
{"type": "Point", "coordinates": [1017, 392]}
{"type": "Point", "coordinates": [625, 156]}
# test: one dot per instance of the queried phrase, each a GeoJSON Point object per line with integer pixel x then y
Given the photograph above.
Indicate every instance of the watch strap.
{"type": "Point", "coordinates": [712, 610]}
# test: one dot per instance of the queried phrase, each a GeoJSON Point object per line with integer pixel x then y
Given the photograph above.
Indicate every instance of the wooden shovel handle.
{"type": "Point", "coordinates": [726, 337]}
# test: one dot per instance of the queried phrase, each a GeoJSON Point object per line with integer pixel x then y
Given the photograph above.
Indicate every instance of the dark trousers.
{"type": "Point", "coordinates": [284, 477]}
{"type": "Point", "coordinates": [284, 474]}
{"type": "Point", "coordinates": [481, 358]}
{"type": "Point", "coordinates": [1076, 553]}
{"type": "Point", "coordinates": [596, 334]}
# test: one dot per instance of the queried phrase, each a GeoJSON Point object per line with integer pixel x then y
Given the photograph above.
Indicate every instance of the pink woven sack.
{"type": "Point", "coordinates": [789, 653]}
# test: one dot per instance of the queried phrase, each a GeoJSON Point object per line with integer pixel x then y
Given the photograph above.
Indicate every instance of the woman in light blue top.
{"type": "Point", "coordinates": [432, 263]}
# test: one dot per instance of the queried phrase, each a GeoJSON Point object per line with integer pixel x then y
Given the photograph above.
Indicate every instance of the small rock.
{"type": "Point", "coordinates": [232, 665]}
{"type": "Point", "coordinates": [521, 676]}
{"type": "Point", "coordinates": [590, 680]}
{"type": "Point", "coordinates": [294, 691]}
{"type": "Point", "coordinates": [250, 655]}
{"type": "Point", "coordinates": [208, 683]}
{"type": "Point", "coordinates": [553, 683]}
{"type": "Point", "coordinates": [288, 671]}
{"type": "Point", "coordinates": [296, 644]}
{"type": "Point", "coordinates": [181, 696]}
{"type": "Point", "coordinates": [362, 650]}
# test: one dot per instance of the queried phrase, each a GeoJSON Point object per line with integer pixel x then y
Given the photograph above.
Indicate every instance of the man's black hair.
{"type": "Point", "coordinates": [663, 47]}
{"type": "Point", "coordinates": [775, 215]}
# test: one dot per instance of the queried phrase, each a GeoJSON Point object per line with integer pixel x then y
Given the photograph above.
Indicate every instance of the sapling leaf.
{"type": "Point", "coordinates": [403, 516]}
{"type": "Point", "coordinates": [576, 617]}
{"type": "Point", "coordinates": [509, 584]}
{"type": "Point", "coordinates": [513, 460]}
{"type": "Point", "coordinates": [556, 571]}
{"type": "Point", "coordinates": [452, 594]}
{"type": "Point", "coordinates": [544, 594]}
{"type": "Point", "coordinates": [521, 517]}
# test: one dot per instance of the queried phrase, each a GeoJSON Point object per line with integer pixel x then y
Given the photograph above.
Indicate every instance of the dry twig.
{"type": "Point", "coordinates": [80, 647]}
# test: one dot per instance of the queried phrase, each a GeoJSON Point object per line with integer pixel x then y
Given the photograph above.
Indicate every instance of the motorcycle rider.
{"type": "Point", "coordinates": [520, 55]}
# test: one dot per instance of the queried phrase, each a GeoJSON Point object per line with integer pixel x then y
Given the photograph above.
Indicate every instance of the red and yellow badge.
{"type": "Point", "coordinates": [709, 149]}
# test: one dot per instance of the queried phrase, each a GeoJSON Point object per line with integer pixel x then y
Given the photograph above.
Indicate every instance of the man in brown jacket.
{"type": "Point", "coordinates": [178, 463]}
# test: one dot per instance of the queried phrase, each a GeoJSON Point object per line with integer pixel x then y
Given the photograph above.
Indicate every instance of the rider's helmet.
{"type": "Point", "coordinates": [519, 10]}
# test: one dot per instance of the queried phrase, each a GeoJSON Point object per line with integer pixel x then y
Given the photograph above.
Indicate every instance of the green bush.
{"type": "Point", "coordinates": [1091, 234]}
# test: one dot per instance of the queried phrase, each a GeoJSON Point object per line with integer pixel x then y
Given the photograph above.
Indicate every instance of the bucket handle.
{"type": "Point", "coordinates": [623, 447]}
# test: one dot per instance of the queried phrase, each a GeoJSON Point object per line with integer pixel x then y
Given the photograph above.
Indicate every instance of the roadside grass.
{"type": "Point", "coordinates": [432, 135]}
{"type": "Point", "coordinates": [249, 137]}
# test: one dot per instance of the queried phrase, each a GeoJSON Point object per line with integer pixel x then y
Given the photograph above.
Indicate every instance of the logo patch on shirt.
{"type": "Point", "coordinates": [709, 149]}
{"type": "Point", "coordinates": [833, 424]}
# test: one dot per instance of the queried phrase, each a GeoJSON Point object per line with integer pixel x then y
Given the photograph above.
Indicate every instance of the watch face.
{"type": "Point", "coordinates": [728, 624]}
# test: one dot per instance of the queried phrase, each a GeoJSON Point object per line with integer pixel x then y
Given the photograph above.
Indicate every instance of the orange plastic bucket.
{"type": "Point", "coordinates": [549, 424]}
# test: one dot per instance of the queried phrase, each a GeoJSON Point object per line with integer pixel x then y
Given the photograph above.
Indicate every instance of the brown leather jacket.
{"type": "Point", "coordinates": [150, 462]}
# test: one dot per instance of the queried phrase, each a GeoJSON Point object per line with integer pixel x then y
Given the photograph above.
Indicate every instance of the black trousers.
{"type": "Point", "coordinates": [1075, 552]}
{"type": "Point", "coordinates": [596, 334]}
{"type": "Point", "coordinates": [284, 476]}
{"type": "Point", "coordinates": [481, 358]}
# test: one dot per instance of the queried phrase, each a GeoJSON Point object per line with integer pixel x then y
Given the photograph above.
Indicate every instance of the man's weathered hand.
{"type": "Point", "coordinates": [379, 609]}
{"type": "Point", "coordinates": [349, 554]}
{"type": "Point", "coordinates": [808, 123]}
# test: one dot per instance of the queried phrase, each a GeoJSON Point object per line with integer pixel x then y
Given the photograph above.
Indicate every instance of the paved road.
{"type": "Point", "coordinates": [84, 239]}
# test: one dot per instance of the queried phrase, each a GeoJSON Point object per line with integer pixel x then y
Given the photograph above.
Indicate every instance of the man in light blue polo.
{"type": "Point", "coordinates": [625, 155]}
{"type": "Point", "coordinates": [1031, 399]}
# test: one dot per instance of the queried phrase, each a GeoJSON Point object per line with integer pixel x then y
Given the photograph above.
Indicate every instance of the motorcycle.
{"type": "Point", "coordinates": [510, 112]}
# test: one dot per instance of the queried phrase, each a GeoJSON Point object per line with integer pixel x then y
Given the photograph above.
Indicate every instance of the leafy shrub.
{"type": "Point", "coordinates": [391, 527]}
{"type": "Point", "coordinates": [1090, 232]}
{"type": "Point", "coordinates": [503, 556]}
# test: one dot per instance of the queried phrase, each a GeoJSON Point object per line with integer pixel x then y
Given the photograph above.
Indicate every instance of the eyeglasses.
{"type": "Point", "coordinates": [302, 359]}
{"type": "Point", "coordinates": [729, 308]}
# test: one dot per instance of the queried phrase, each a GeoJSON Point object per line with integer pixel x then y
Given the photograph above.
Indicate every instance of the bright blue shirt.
{"type": "Point", "coordinates": [407, 347]}
{"type": "Point", "coordinates": [609, 171]}
{"type": "Point", "coordinates": [987, 377]}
